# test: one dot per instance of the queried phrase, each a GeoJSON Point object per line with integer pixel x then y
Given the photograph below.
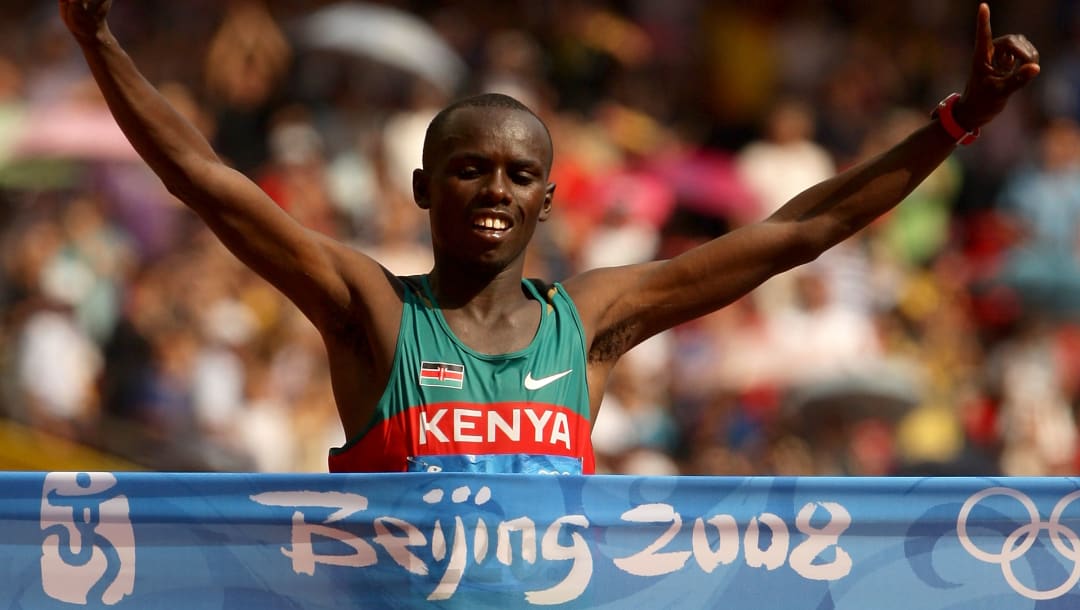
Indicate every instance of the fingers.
{"type": "Point", "coordinates": [984, 40]}
{"type": "Point", "coordinates": [1022, 76]}
{"type": "Point", "coordinates": [1017, 46]}
{"type": "Point", "coordinates": [1015, 61]}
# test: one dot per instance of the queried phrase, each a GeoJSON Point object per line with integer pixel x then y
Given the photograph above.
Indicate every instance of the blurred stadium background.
{"type": "Point", "coordinates": [944, 339]}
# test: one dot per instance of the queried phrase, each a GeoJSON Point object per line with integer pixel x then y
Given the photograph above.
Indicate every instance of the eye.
{"type": "Point", "coordinates": [523, 178]}
{"type": "Point", "coordinates": [468, 172]}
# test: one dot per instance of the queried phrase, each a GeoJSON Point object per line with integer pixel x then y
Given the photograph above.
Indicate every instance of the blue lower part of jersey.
{"type": "Point", "coordinates": [521, 463]}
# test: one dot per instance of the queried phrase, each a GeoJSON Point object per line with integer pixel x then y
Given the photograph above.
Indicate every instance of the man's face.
{"type": "Point", "coordinates": [487, 185]}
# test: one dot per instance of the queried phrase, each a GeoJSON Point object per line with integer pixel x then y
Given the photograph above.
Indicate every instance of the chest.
{"type": "Point", "coordinates": [534, 360]}
{"type": "Point", "coordinates": [502, 335]}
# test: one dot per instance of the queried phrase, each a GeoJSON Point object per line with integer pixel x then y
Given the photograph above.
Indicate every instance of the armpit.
{"type": "Point", "coordinates": [611, 343]}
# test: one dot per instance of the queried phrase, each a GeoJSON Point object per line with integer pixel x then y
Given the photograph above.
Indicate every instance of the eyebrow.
{"type": "Point", "coordinates": [517, 162]}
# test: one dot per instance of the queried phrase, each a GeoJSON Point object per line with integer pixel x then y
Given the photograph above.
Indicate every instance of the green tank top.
{"type": "Point", "coordinates": [449, 408]}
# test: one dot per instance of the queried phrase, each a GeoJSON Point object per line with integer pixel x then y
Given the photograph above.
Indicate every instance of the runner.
{"type": "Point", "coordinates": [472, 367]}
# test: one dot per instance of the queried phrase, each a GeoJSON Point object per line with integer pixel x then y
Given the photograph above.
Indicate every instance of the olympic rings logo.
{"type": "Point", "coordinates": [1022, 538]}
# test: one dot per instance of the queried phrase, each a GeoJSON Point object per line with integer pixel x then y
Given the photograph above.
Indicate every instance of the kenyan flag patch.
{"type": "Point", "coordinates": [442, 375]}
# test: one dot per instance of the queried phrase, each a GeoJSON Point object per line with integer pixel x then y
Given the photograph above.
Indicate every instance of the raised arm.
{"type": "Point", "coordinates": [622, 306]}
{"type": "Point", "coordinates": [315, 272]}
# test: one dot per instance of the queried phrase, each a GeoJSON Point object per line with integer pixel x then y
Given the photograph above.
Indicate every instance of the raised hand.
{"type": "Point", "coordinates": [1000, 66]}
{"type": "Point", "coordinates": [84, 17]}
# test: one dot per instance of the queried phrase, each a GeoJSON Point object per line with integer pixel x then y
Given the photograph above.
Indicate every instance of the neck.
{"type": "Point", "coordinates": [475, 290]}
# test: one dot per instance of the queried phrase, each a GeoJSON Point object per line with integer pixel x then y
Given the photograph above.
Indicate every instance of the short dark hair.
{"type": "Point", "coordinates": [484, 100]}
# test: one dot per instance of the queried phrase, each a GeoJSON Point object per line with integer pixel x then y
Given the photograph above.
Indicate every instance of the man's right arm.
{"type": "Point", "coordinates": [317, 273]}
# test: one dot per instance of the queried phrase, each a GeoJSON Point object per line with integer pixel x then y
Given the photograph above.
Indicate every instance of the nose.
{"type": "Point", "coordinates": [497, 187]}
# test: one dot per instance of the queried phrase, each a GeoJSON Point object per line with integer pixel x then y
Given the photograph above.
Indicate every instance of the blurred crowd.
{"type": "Point", "coordinates": [943, 339]}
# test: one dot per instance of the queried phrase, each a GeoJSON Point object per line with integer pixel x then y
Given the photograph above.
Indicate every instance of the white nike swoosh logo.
{"type": "Point", "coordinates": [536, 384]}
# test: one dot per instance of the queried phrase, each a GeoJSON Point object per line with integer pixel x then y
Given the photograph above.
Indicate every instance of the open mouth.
{"type": "Point", "coordinates": [491, 224]}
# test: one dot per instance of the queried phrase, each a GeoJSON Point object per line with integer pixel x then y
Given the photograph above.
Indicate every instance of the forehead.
{"type": "Point", "coordinates": [494, 131]}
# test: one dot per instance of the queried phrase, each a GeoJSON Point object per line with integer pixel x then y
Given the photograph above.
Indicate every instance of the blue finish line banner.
{"type": "Point", "coordinates": [139, 540]}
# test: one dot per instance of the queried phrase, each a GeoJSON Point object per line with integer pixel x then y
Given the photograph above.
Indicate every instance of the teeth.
{"type": "Point", "coordinates": [497, 224]}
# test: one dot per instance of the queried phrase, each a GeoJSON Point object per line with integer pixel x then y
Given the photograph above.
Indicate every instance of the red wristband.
{"type": "Point", "coordinates": [944, 114]}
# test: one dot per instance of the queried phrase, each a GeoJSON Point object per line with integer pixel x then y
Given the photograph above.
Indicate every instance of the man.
{"type": "Point", "coordinates": [471, 367]}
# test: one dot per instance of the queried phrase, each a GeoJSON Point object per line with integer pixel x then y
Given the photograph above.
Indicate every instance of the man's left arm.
{"type": "Point", "coordinates": [621, 307]}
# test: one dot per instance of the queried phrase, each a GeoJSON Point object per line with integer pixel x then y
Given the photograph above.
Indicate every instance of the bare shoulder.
{"type": "Point", "coordinates": [598, 289]}
{"type": "Point", "coordinates": [606, 300]}
{"type": "Point", "coordinates": [366, 301]}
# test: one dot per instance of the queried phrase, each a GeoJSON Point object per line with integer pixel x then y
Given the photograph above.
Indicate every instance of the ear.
{"type": "Point", "coordinates": [420, 189]}
{"type": "Point", "coordinates": [549, 196]}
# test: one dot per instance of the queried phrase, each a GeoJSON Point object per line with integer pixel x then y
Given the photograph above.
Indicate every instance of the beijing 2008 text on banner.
{"type": "Point", "coordinates": [138, 540]}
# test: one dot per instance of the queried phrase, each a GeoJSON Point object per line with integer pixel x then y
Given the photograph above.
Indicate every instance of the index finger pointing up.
{"type": "Point", "coordinates": [984, 43]}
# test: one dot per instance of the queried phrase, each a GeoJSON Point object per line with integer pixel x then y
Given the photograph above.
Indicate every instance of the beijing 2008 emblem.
{"type": "Point", "coordinates": [88, 548]}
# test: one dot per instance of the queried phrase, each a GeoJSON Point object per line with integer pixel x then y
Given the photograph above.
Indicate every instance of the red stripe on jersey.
{"type": "Point", "coordinates": [442, 374]}
{"type": "Point", "coordinates": [468, 428]}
